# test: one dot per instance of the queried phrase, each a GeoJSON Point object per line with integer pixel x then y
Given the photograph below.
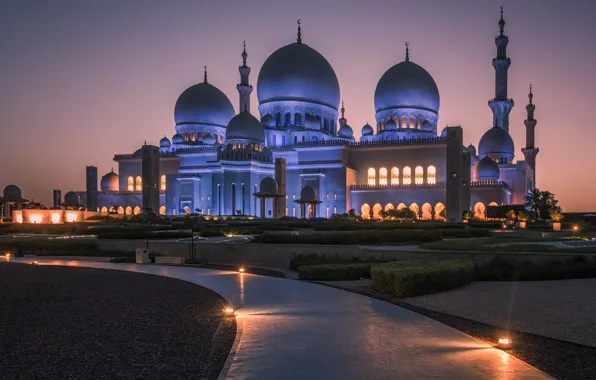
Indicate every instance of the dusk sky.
{"type": "Point", "coordinates": [82, 80]}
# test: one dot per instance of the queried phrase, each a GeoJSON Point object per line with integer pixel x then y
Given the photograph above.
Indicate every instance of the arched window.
{"type": "Point", "coordinates": [162, 210]}
{"type": "Point", "coordinates": [418, 175]}
{"type": "Point", "coordinates": [192, 136]}
{"type": "Point", "coordinates": [138, 183]}
{"type": "Point", "coordinates": [185, 136]}
{"type": "Point", "coordinates": [372, 176]}
{"type": "Point", "coordinates": [215, 138]}
{"type": "Point", "coordinates": [128, 210]}
{"type": "Point", "coordinates": [383, 176]}
{"type": "Point", "coordinates": [283, 140]}
{"type": "Point", "coordinates": [404, 122]}
{"type": "Point", "coordinates": [427, 210]}
{"type": "Point", "coordinates": [394, 176]}
{"type": "Point", "coordinates": [298, 120]}
{"type": "Point", "coordinates": [431, 175]}
{"type": "Point", "coordinates": [439, 207]}
{"type": "Point", "coordinates": [401, 205]}
{"type": "Point", "coordinates": [120, 210]}
{"type": "Point", "coordinates": [389, 206]}
{"type": "Point", "coordinates": [412, 123]}
{"type": "Point", "coordinates": [314, 139]}
{"type": "Point", "coordinates": [303, 138]}
{"type": "Point", "coordinates": [288, 119]}
{"type": "Point", "coordinates": [162, 182]}
{"type": "Point", "coordinates": [136, 210]}
{"type": "Point", "coordinates": [479, 209]}
{"type": "Point", "coordinates": [414, 207]}
{"type": "Point", "coordinates": [104, 210]}
{"type": "Point", "coordinates": [418, 123]}
{"type": "Point", "coordinates": [407, 180]}
{"type": "Point", "coordinates": [221, 139]}
{"type": "Point", "coordinates": [130, 184]}
{"type": "Point", "coordinates": [295, 139]}
{"type": "Point", "coordinates": [274, 138]}
{"type": "Point", "coordinates": [376, 210]}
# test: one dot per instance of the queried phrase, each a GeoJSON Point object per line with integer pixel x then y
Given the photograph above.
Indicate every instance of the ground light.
{"type": "Point", "coordinates": [504, 343]}
{"type": "Point", "coordinates": [34, 262]}
{"type": "Point", "coordinates": [228, 310]}
{"type": "Point", "coordinates": [241, 270]}
{"type": "Point", "coordinates": [575, 228]}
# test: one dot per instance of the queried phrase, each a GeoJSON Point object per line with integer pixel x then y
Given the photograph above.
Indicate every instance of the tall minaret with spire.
{"type": "Point", "coordinates": [342, 120]}
{"type": "Point", "coordinates": [530, 151]}
{"type": "Point", "coordinates": [501, 105]}
{"type": "Point", "coordinates": [244, 88]}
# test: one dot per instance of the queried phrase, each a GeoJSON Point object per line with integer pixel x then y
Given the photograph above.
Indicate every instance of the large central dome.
{"type": "Point", "coordinates": [297, 72]}
{"type": "Point", "coordinates": [407, 85]}
{"type": "Point", "coordinates": [203, 103]}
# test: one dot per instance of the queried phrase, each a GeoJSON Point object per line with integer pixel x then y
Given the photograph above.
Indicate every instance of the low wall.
{"type": "Point", "coordinates": [279, 255]}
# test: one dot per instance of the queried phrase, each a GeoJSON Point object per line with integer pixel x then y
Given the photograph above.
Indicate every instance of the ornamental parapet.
{"type": "Point", "coordinates": [400, 186]}
{"type": "Point", "coordinates": [489, 184]}
{"type": "Point", "coordinates": [138, 156]}
{"type": "Point", "coordinates": [404, 141]}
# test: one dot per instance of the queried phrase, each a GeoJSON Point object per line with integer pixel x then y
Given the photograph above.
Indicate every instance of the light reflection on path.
{"type": "Point", "coordinates": [299, 330]}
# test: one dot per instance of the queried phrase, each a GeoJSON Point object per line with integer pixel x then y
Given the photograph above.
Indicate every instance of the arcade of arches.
{"type": "Point", "coordinates": [424, 212]}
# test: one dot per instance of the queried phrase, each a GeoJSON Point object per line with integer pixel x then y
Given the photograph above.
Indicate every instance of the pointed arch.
{"type": "Point", "coordinates": [407, 173]}
{"type": "Point", "coordinates": [479, 210]}
{"type": "Point", "coordinates": [389, 206]}
{"type": "Point", "coordinates": [418, 175]}
{"type": "Point", "coordinates": [394, 176]}
{"type": "Point", "coordinates": [439, 207]}
{"type": "Point", "coordinates": [139, 183]}
{"type": "Point", "coordinates": [404, 122]}
{"type": "Point", "coordinates": [414, 207]}
{"type": "Point", "coordinates": [128, 210]}
{"type": "Point", "coordinates": [120, 210]}
{"type": "Point", "coordinates": [431, 175]}
{"type": "Point", "coordinates": [365, 211]}
{"type": "Point", "coordinates": [376, 209]}
{"type": "Point", "coordinates": [162, 182]}
{"type": "Point", "coordinates": [427, 211]}
{"type": "Point", "coordinates": [400, 206]}
{"type": "Point", "coordinates": [130, 184]}
{"type": "Point", "coordinates": [372, 176]}
{"type": "Point", "coordinates": [136, 210]}
{"type": "Point", "coordinates": [383, 176]}
{"type": "Point", "coordinates": [162, 210]}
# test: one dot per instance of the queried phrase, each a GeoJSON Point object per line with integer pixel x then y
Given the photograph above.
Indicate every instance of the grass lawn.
{"type": "Point", "coordinates": [502, 244]}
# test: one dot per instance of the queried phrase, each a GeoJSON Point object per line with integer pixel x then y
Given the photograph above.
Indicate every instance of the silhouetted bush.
{"type": "Point", "coordinates": [49, 246]}
{"type": "Point", "coordinates": [313, 259]}
{"type": "Point", "coordinates": [415, 278]}
{"type": "Point", "coordinates": [334, 272]}
{"type": "Point", "coordinates": [350, 238]}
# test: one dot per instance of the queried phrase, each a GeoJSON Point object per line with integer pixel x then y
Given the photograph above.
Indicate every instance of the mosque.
{"type": "Point", "coordinates": [220, 163]}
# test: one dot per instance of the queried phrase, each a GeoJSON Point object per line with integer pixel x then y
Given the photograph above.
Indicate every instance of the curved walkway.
{"type": "Point", "coordinates": [299, 330]}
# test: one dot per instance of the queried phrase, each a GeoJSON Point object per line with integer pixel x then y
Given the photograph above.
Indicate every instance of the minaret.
{"type": "Point", "coordinates": [530, 151]}
{"type": "Point", "coordinates": [342, 120]}
{"type": "Point", "coordinates": [501, 105]}
{"type": "Point", "coordinates": [244, 88]}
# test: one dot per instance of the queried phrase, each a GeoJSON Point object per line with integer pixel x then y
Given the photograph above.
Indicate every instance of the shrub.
{"type": "Point", "coordinates": [349, 238]}
{"type": "Point", "coordinates": [503, 269]}
{"type": "Point", "coordinates": [49, 246]}
{"type": "Point", "coordinates": [415, 278]}
{"type": "Point", "coordinates": [140, 234]}
{"type": "Point", "coordinates": [334, 272]}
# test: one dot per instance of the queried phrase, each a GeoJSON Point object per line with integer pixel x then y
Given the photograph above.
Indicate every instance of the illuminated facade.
{"type": "Point", "coordinates": [216, 159]}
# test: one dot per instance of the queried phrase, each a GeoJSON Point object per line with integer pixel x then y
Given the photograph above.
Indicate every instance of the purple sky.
{"type": "Point", "coordinates": [82, 80]}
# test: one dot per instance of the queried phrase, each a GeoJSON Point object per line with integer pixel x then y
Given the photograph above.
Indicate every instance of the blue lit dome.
{"type": "Point", "coordinates": [178, 139]}
{"type": "Point", "coordinates": [346, 131]}
{"type": "Point", "coordinates": [164, 143]}
{"type": "Point", "coordinates": [245, 128]}
{"type": "Point", "coordinates": [472, 149]}
{"type": "Point", "coordinates": [297, 72]}
{"type": "Point", "coordinates": [407, 85]}
{"type": "Point", "coordinates": [72, 199]}
{"type": "Point", "coordinates": [390, 125]}
{"type": "Point", "coordinates": [487, 170]}
{"type": "Point", "coordinates": [203, 103]}
{"type": "Point", "coordinates": [110, 182]}
{"type": "Point", "coordinates": [12, 193]}
{"type": "Point", "coordinates": [497, 144]}
{"type": "Point", "coordinates": [367, 130]}
{"type": "Point", "coordinates": [268, 121]}
{"type": "Point", "coordinates": [444, 132]}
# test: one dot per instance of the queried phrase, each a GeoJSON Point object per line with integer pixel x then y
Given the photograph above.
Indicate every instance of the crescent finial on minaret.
{"type": "Point", "coordinates": [407, 51]}
{"type": "Point", "coordinates": [299, 40]}
{"type": "Point", "coordinates": [244, 55]}
{"type": "Point", "coordinates": [205, 77]}
{"type": "Point", "coordinates": [530, 95]}
{"type": "Point", "coordinates": [502, 22]}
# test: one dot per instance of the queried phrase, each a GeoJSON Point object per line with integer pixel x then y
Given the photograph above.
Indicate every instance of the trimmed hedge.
{"type": "Point", "coordinates": [47, 246]}
{"type": "Point", "coordinates": [313, 259]}
{"type": "Point", "coordinates": [140, 234]}
{"type": "Point", "coordinates": [415, 278]}
{"type": "Point", "coordinates": [350, 238]}
{"type": "Point", "coordinates": [334, 272]}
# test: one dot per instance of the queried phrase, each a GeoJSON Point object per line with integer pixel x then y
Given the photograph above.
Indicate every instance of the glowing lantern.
{"type": "Point", "coordinates": [241, 270]}
{"type": "Point", "coordinates": [19, 218]}
{"type": "Point", "coordinates": [504, 343]}
{"type": "Point", "coordinates": [71, 217]}
{"type": "Point", "coordinates": [229, 310]}
{"type": "Point", "coordinates": [35, 218]}
{"type": "Point", "coordinates": [55, 218]}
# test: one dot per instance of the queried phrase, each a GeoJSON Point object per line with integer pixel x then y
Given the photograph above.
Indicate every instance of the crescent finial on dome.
{"type": "Point", "coordinates": [343, 110]}
{"type": "Point", "coordinates": [407, 52]}
{"type": "Point", "coordinates": [205, 76]}
{"type": "Point", "coordinates": [244, 55]}
{"type": "Point", "coordinates": [530, 95]}
{"type": "Point", "coordinates": [299, 40]}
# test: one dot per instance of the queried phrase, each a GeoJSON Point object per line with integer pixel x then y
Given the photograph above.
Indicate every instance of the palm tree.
{"type": "Point", "coordinates": [533, 201]}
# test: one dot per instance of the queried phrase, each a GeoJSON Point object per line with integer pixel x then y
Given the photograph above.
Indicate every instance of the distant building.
{"type": "Point", "coordinates": [216, 160]}
{"type": "Point", "coordinates": [57, 199]}
{"type": "Point", "coordinates": [92, 199]}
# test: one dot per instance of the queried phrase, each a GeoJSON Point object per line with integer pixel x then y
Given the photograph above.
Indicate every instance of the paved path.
{"type": "Point", "coordinates": [299, 330]}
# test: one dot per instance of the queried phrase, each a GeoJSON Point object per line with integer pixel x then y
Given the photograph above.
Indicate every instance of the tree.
{"type": "Point", "coordinates": [351, 212]}
{"type": "Point", "coordinates": [510, 215]}
{"type": "Point", "coordinates": [443, 214]}
{"type": "Point", "coordinates": [384, 214]}
{"type": "Point", "coordinates": [522, 216]}
{"type": "Point", "coordinates": [466, 215]}
{"type": "Point", "coordinates": [533, 201]}
{"type": "Point", "coordinates": [238, 212]}
{"type": "Point", "coordinates": [406, 213]}
{"type": "Point", "coordinates": [556, 215]}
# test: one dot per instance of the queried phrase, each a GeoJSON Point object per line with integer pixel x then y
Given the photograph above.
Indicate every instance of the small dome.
{"type": "Point", "coordinates": [487, 170]}
{"type": "Point", "coordinates": [178, 139]}
{"type": "Point", "coordinates": [12, 193]}
{"type": "Point", "coordinates": [268, 186]}
{"type": "Point", "coordinates": [308, 194]}
{"type": "Point", "coordinates": [311, 122]}
{"type": "Point", "coordinates": [367, 130]}
{"type": "Point", "coordinates": [164, 143]}
{"type": "Point", "coordinates": [203, 103]}
{"type": "Point", "coordinates": [110, 182]}
{"type": "Point", "coordinates": [297, 72]}
{"type": "Point", "coordinates": [390, 125]}
{"type": "Point", "coordinates": [496, 142]}
{"type": "Point", "coordinates": [346, 131]}
{"type": "Point", "coordinates": [472, 149]}
{"type": "Point", "coordinates": [268, 121]}
{"type": "Point", "coordinates": [407, 85]}
{"type": "Point", "coordinates": [72, 199]}
{"type": "Point", "coordinates": [444, 132]}
{"type": "Point", "coordinates": [245, 127]}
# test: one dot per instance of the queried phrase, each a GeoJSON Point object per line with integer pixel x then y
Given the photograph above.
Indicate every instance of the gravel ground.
{"type": "Point", "coordinates": [563, 310]}
{"type": "Point", "coordinates": [560, 359]}
{"type": "Point", "coordinates": [81, 323]}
